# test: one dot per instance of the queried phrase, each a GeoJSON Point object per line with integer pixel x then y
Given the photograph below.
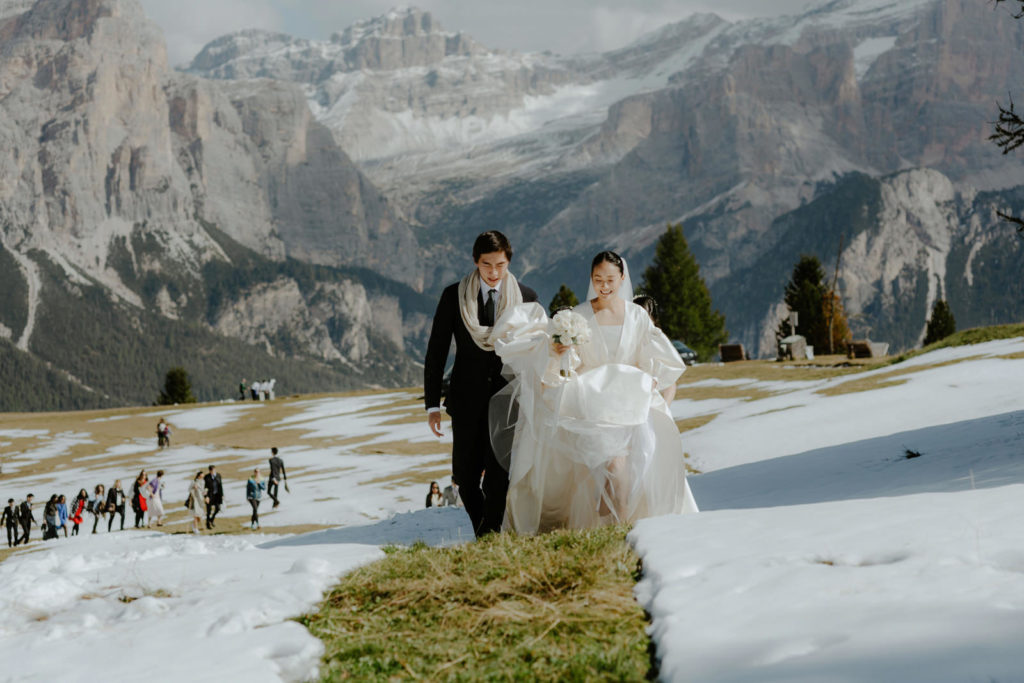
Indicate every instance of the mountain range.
{"type": "Point", "coordinates": [291, 206]}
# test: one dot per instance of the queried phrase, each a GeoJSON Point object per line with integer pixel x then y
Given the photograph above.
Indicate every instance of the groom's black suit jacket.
{"type": "Point", "coordinates": [476, 374]}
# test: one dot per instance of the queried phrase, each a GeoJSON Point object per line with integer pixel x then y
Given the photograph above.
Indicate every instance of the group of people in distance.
{"type": "Point", "coordinates": [59, 513]}
{"type": "Point", "coordinates": [259, 390]}
{"type": "Point", "coordinates": [146, 499]}
{"type": "Point", "coordinates": [555, 435]}
{"type": "Point", "coordinates": [206, 493]}
{"type": "Point", "coordinates": [436, 498]}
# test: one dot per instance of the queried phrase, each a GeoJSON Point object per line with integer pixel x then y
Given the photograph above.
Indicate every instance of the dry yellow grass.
{"type": "Point", "coordinates": [553, 607]}
{"type": "Point", "coordinates": [694, 422]}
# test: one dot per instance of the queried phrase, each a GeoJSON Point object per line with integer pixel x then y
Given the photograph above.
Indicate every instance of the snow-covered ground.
{"type": "Point", "coordinates": [823, 552]}
{"type": "Point", "coordinates": [209, 607]}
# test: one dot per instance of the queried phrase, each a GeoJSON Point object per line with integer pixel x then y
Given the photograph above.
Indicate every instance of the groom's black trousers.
{"type": "Point", "coordinates": [472, 455]}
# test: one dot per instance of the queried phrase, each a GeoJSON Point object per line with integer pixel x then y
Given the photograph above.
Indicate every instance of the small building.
{"type": "Point", "coordinates": [731, 352]}
{"type": "Point", "coordinates": [867, 349]}
{"type": "Point", "coordinates": [793, 347]}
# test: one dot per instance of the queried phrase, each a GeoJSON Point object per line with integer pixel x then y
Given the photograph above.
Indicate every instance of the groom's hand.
{"type": "Point", "coordinates": [434, 420]}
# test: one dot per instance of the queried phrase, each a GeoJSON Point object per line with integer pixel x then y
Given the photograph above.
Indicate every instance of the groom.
{"type": "Point", "coordinates": [467, 311]}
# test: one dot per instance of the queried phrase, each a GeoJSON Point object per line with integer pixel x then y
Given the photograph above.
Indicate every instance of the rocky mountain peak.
{"type": "Point", "coordinates": [399, 22]}
{"type": "Point", "coordinates": [401, 38]}
{"type": "Point", "coordinates": [71, 19]}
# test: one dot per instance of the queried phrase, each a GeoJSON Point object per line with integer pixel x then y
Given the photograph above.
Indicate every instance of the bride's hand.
{"type": "Point", "coordinates": [560, 348]}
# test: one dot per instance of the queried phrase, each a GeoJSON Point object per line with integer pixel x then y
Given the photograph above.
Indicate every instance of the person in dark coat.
{"type": "Point", "coordinates": [9, 519]}
{"type": "Point", "coordinates": [139, 500]}
{"type": "Point", "coordinates": [277, 475]}
{"type": "Point", "coordinates": [26, 518]}
{"type": "Point", "coordinates": [467, 312]}
{"type": "Point", "coordinates": [214, 495]}
{"type": "Point", "coordinates": [115, 503]}
{"type": "Point", "coordinates": [50, 517]}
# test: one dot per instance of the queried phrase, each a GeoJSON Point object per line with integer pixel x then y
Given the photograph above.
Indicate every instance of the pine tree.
{"type": "Point", "coordinates": [177, 388]}
{"type": "Point", "coordinates": [674, 280]}
{"type": "Point", "coordinates": [565, 298]}
{"type": "Point", "coordinates": [806, 296]}
{"type": "Point", "coordinates": [942, 323]}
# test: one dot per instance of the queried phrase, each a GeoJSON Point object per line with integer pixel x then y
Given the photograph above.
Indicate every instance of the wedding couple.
{"type": "Point", "coordinates": [583, 433]}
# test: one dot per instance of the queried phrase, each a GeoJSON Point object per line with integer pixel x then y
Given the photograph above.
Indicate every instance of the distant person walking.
{"type": "Point", "coordinates": [451, 495]}
{"type": "Point", "coordinates": [277, 475]}
{"type": "Point", "coordinates": [99, 505]}
{"type": "Point", "coordinates": [115, 503]}
{"type": "Point", "coordinates": [50, 518]}
{"type": "Point", "coordinates": [26, 518]}
{"type": "Point", "coordinates": [253, 492]}
{"type": "Point", "coordinates": [241, 390]}
{"type": "Point", "coordinates": [196, 500]}
{"type": "Point", "coordinates": [163, 434]}
{"type": "Point", "coordinates": [139, 500]}
{"type": "Point", "coordinates": [435, 498]}
{"type": "Point", "coordinates": [62, 514]}
{"type": "Point", "coordinates": [214, 495]}
{"type": "Point", "coordinates": [9, 518]}
{"type": "Point", "coordinates": [254, 389]}
{"type": "Point", "coordinates": [155, 493]}
{"type": "Point", "coordinates": [78, 510]}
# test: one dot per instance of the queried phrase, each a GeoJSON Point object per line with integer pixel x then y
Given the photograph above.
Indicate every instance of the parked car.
{"type": "Point", "coordinates": [688, 355]}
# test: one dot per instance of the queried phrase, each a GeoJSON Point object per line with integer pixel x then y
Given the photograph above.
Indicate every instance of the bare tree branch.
{"type": "Point", "coordinates": [1009, 133]}
{"type": "Point", "coordinates": [1019, 222]}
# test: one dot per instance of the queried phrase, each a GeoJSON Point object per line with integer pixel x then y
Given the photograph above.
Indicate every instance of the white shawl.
{"type": "Point", "coordinates": [469, 286]}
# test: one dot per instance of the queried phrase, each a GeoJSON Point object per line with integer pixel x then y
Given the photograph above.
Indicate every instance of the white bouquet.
{"type": "Point", "coordinates": [569, 328]}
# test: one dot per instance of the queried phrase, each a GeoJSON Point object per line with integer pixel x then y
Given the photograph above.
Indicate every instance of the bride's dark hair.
{"type": "Point", "coordinates": [607, 257]}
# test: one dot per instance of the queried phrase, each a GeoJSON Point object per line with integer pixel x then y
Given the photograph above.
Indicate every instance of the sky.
{"type": "Point", "coordinates": [566, 26]}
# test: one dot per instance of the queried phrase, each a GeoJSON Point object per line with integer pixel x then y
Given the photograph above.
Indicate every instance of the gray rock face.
{"type": "Point", "coordinates": [269, 312]}
{"type": "Point", "coordinates": [121, 170]}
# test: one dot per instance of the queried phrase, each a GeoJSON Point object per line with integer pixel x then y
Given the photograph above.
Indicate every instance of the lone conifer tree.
{"type": "Point", "coordinates": [674, 280]}
{"type": "Point", "coordinates": [942, 323]}
{"type": "Point", "coordinates": [565, 298]}
{"type": "Point", "coordinates": [806, 296]}
{"type": "Point", "coordinates": [177, 388]}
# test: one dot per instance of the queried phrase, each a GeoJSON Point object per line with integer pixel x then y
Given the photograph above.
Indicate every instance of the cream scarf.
{"type": "Point", "coordinates": [469, 286]}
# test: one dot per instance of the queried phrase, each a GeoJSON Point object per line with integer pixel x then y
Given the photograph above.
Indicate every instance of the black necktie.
{"type": "Point", "coordinates": [489, 308]}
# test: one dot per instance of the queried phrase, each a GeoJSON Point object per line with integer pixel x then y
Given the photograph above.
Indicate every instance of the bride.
{"type": "Point", "coordinates": [586, 430]}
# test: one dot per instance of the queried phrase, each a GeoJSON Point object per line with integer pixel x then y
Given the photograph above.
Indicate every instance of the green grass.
{"type": "Point", "coordinates": [553, 607]}
{"type": "Point", "coordinates": [975, 335]}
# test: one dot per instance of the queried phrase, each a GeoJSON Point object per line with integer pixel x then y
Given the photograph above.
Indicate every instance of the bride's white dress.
{"type": "Point", "coordinates": [599, 446]}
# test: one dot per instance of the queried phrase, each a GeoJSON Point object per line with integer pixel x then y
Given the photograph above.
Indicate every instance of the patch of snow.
{"type": "Point", "coordinates": [867, 51]}
{"type": "Point", "coordinates": [927, 587]}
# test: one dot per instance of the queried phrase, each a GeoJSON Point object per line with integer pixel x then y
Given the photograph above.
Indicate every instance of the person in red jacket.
{"type": "Point", "coordinates": [78, 510]}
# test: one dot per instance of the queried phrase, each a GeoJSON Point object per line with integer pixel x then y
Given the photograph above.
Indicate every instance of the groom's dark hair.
{"type": "Point", "coordinates": [490, 242]}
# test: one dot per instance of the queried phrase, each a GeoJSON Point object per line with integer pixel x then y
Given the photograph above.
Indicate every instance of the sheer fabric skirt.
{"type": "Point", "coordinates": [596, 447]}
